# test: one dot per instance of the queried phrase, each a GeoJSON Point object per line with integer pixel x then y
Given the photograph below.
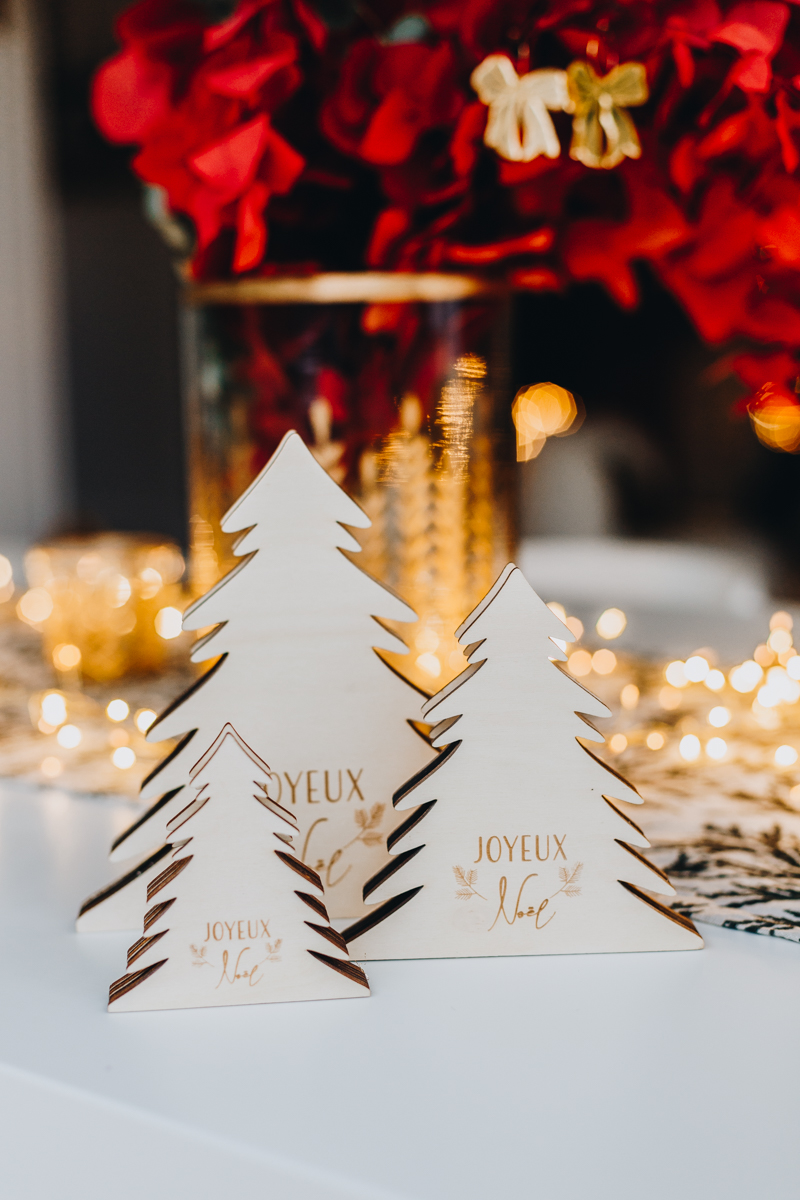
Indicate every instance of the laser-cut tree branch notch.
{"type": "Point", "coordinates": [234, 917]}
{"type": "Point", "coordinates": [511, 842]}
{"type": "Point", "coordinates": [295, 632]}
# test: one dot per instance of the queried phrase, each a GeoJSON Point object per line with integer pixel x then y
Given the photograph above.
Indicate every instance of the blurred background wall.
{"type": "Point", "coordinates": [35, 482]}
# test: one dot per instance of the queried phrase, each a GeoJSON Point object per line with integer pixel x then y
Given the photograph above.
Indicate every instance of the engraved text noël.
{"type": "Point", "coordinates": [316, 786]}
{"type": "Point", "coordinates": [525, 846]}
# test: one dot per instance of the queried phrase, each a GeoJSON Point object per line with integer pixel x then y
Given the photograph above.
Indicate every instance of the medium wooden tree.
{"type": "Point", "coordinates": [235, 917]}
{"type": "Point", "coordinates": [513, 843]}
{"type": "Point", "coordinates": [294, 639]}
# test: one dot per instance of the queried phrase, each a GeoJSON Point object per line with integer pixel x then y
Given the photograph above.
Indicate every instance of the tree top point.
{"type": "Point", "coordinates": [293, 469]}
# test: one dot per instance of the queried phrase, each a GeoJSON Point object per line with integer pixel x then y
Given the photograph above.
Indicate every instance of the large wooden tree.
{"type": "Point", "coordinates": [513, 843]}
{"type": "Point", "coordinates": [295, 628]}
{"type": "Point", "coordinates": [234, 917]}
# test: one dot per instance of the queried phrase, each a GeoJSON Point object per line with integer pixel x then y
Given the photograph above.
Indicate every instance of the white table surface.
{"type": "Point", "coordinates": [608, 1076]}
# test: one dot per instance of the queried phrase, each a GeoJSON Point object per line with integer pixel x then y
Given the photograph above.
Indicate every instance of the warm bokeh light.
{"type": "Point", "coordinates": [696, 668]}
{"type": "Point", "coordinates": [150, 583]}
{"type": "Point", "coordinates": [794, 795]}
{"type": "Point", "coordinates": [763, 655]}
{"type": "Point", "coordinates": [618, 743]}
{"type": "Point", "coordinates": [775, 417]}
{"type": "Point", "coordinates": [629, 696]}
{"type": "Point", "coordinates": [580, 663]}
{"type": "Point", "coordinates": [611, 623]}
{"type": "Point", "coordinates": [6, 572]}
{"type": "Point", "coordinates": [766, 718]}
{"type": "Point", "coordinates": [558, 610]}
{"type": "Point", "coordinates": [715, 680]}
{"type": "Point", "coordinates": [746, 677]}
{"type": "Point", "coordinates": [689, 748]}
{"type": "Point", "coordinates": [54, 709]}
{"type": "Point", "coordinates": [779, 640]}
{"type": "Point", "coordinates": [117, 710]}
{"type": "Point", "coordinates": [430, 664]}
{"type": "Point", "coordinates": [118, 591]}
{"type": "Point", "coordinates": [785, 756]}
{"type": "Point", "coordinates": [169, 623]}
{"type": "Point", "coordinates": [779, 688]}
{"type": "Point", "coordinates": [539, 412]}
{"type": "Point", "coordinates": [123, 758]}
{"type": "Point", "coordinates": [66, 657]}
{"type": "Point", "coordinates": [654, 740]}
{"type": "Point", "coordinates": [604, 661]}
{"type": "Point", "coordinates": [719, 717]}
{"type": "Point", "coordinates": [144, 719]}
{"type": "Point", "coordinates": [575, 627]}
{"type": "Point", "coordinates": [781, 620]}
{"type": "Point", "coordinates": [35, 605]}
{"type": "Point", "coordinates": [51, 767]}
{"type": "Point", "coordinates": [675, 674]}
{"type": "Point", "coordinates": [793, 667]}
{"type": "Point", "coordinates": [669, 698]}
{"type": "Point", "coordinates": [427, 640]}
{"type": "Point", "coordinates": [69, 736]}
{"type": "Point", "coordinates": [716, 748]}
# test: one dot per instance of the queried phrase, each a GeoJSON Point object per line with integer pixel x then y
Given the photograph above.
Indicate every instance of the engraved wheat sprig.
{"type": "Point", "coordinates": [467, 881]}
{"type": "Point", "coordinates": [569, 880]}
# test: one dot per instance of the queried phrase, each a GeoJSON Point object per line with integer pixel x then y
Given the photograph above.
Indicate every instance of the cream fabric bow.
{"type": "Point", "coordinates": [519, 127]}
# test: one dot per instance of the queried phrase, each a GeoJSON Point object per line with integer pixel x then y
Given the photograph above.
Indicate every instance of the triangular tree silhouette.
{"type": "Point", "coordinates": [296, 625]}
{"type": "Point", "coordinates": [513, 844]}
{"type": "Point", "coordinates": [235, 917]}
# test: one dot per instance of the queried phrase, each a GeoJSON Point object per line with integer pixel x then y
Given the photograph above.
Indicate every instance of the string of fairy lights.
{"type": "Point", "coordinates": [693, 709]}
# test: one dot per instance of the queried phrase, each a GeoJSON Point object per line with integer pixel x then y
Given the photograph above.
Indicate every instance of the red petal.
{"type": "Point", "coordinates": [783, 129]}
{"type": "Point", "coordinates": [752, 74]}
{"type": "Point", "coordinates": [758, 25]}
{"type": "Point", "coordinates": [281, 165]}
{"type": "Point", "coordinates": [219, 35]}
{"type": "Point", "coordinates": [393, 130]}
{"type": "Point", "coordinates": [130, 94]}
{"type": "Point", "coordinates": [589, 253]}
{"type": "Point", "coordinates": [158, 23]}
{"type": "Point", "coordinates": [718, 310]}
{"type": "Point", "coordinates": [390, 225]}
{"type": "Point", "coordinates": [247, 77]}
{"type": "Point", "coordinates": [728, 135]}
{"type": "Point", "coordinates": [538, 242]}
{"type": "Point", "coordinates": [251, 237]}
{"type": "Point", "coordinates": [230, 163]}
{"type": "Point", "coordinates": [780, 233]}
{"type": "Point", "coordinates": [466, 141]}
{"type": "Point", "coordinates": [757, 369]}
{"type": "Point", "coordinates": [331, 385]}
{"type": "Point", "coordinates": [683, 62]}
{"type": "Point", "coordinates": [315, 28]}
{"type": "Point", "coordinates": [684, 168]}
{"type": "Point", "coordinates": [535, 279]}
{"type": "Point", "coordinates": [381, 318]}
{"type": "Point", "coordinates": [773, 320]}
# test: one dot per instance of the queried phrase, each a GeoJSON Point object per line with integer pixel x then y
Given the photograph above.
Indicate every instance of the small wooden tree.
{"type": "Point", "coordinates": [514, 844]}
{"type": "Point", "coordinates": [294, 642]}
{"type": "Point", "coordinates": [236, 918]}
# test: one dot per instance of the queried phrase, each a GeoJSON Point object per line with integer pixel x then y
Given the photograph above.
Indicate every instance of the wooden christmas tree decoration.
{"type": "Point", "coordinates": [513, 844]}
{"type": "Point", "coordinates": [294, 638]}
{"type": "Point", "coordinates": [235, 916]}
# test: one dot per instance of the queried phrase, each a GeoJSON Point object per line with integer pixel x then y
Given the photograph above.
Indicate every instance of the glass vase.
{"type": "Point", "coordinates": [399, 384]}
